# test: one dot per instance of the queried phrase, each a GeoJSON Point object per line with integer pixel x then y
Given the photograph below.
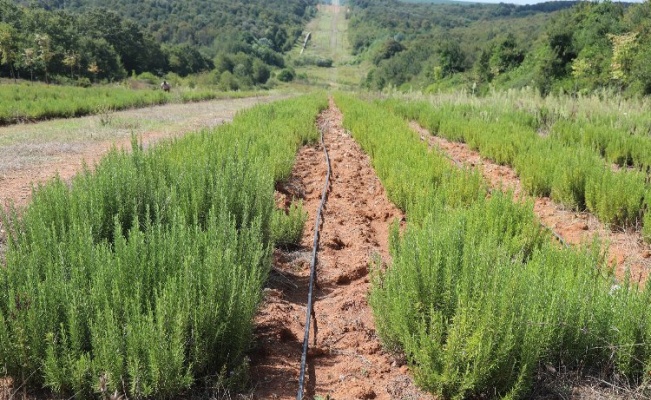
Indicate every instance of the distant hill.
{"type": "Point", "coordinates": [562, 46]}
{"type": "Point", "coordinates": [241, 41]}
{"type": "Point", "coordinates": [209, 24]}
{"type": "Point", "coordinates": [430, 1]}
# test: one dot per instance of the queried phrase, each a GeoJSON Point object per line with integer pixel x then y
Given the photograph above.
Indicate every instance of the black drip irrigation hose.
{"type": "Point", "coordinates": [310, 295]}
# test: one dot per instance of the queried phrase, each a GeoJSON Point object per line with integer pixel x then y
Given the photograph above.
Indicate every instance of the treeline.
{"type": "Point", "coordinates": [209, 24]}
{"type": "Point", "coordinates": [94, 45]}
{"type": "Point", "coordinates": [570, 47]}
{"type": "Point", "coordinates": [241, 42]}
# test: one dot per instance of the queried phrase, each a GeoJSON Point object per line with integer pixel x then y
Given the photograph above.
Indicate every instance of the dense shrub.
{"type": "Point", "coordinates": [477, 297]}
{"type": "Point", "coordinates": [286, 75]}
{"type": "Point", "coordinates": [148, 270]}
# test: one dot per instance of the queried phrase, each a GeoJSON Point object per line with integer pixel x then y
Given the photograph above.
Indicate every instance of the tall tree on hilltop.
{"type": "Point", "coordinates": [45, 51]}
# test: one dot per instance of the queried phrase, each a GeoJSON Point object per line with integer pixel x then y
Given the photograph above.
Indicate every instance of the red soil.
{"type": "Point", "coordinates": [348, 361]}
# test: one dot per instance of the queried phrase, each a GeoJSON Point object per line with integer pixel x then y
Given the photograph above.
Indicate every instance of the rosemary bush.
{"type": "Point", "coordinates": [478, 298]}
{"type": "Point", "coordinates": [148, 270]}
{"type": "Point", "coordinates": [287, 227]}
{"type": "Point", "coordinates": [571, 164]}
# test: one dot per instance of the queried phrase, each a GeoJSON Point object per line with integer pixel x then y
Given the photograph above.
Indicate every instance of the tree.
{"type": "Point", "coordinates": [29, 59]}
{"type": "Point", "coordinates": [624, 47]}
{"type": "Point", "coordinates": [45, 53]}
{"type": "Point", "coordinates": [483, 68]}
{"type": "Point", "coordinates": [71, 60]}
{"type": "Point", "coordinates": [8, 47]}
{"type": "Point", "coordinates": [185, 59]}
{"type": "Point", "coordinates": [506, 55]}
{"type": "Point", "coordinates": [389, 48]}
{"type": "Point", "coordinates": [641, 73]}
{"type": "Point", "coordinates": [451, 57]}
{"type": "Point", "coordinates": [93, 68]}
{"type": "Point", "coordinates": [100, 54]}
{"type": "Point", "coordinates": [261, 72]}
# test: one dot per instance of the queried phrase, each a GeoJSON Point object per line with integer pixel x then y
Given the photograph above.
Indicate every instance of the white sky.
{"type": "Point", "coordinates": [522, 2]}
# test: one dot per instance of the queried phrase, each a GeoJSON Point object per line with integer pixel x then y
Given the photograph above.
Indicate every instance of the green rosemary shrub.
{"type": "Point", "coordinates": [477, 297]}
{"type": "Point", "coordinates": [287, 227]}
{"type": "Point", "coordinates": [147, 270]}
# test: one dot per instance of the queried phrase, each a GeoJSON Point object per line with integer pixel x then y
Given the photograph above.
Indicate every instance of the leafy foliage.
{"type": "Point", "coordinates": [555, 46]}
{"type": "Point", "coordinates": [100, 40]}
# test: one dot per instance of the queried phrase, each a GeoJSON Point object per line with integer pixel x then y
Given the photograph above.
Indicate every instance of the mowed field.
{"type": "Point", "coordinates": [329, 39]}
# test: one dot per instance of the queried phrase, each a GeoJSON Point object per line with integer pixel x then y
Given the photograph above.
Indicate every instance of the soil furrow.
{"type": "Point", "coordinates": [348, 361]}
{"type": "Point", "coordinates": [626, 249]}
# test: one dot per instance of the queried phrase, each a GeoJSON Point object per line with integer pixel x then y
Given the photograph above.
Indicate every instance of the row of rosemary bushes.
{"type": "Point", "coordinates": [147, 271]}
{"type": "Point", "coordinates": [566, 164]}
{"type": "Point", "coordinates": [478, 297]}
{"type": "Point", "coordinates": [35, 101]}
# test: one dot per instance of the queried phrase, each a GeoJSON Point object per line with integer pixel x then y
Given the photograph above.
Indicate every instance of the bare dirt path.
{"type": "Point", "coordinates": [34, 153]}
{"type": "Point", "coordinates": [625, 248]}
{"type": "Point", "coordinates": [348, 361]}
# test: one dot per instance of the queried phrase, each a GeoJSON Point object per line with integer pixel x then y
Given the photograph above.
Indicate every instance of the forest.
{"type": "Point", "coordinates": [559, 47]}
{"type": "Point", "coordinates": [90, 41]}
{"type": "Point", "coordinates": [556, 47]}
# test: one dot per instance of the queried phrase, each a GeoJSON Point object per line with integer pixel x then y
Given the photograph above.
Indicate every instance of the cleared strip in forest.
{"type": "Point", "coordinates": [625, 248]}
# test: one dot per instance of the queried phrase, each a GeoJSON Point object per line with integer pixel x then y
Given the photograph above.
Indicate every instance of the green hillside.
{"type": "Point", "coordinates": [210, 24]}
{"type": "Point", "coordinates": [554, 46]}
{"type": "Point", "coordinates": [107, 40]}
{"type": "Point", "coordinates": [562, 46]}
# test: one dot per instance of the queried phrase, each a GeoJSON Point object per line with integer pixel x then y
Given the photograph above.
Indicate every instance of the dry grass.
{"type": "Point", "coordinates": [566, 385]}
{"type": "Point", "coordinates": [28, 146]}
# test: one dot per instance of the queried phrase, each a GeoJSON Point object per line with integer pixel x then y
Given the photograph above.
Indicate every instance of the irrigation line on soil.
{"type": "Point", "coordinates": [310, 311]}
